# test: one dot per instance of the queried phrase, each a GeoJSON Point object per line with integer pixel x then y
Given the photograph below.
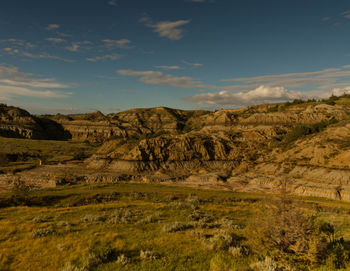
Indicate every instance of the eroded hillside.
{"type": "Point", "coordinates": [259, 148]}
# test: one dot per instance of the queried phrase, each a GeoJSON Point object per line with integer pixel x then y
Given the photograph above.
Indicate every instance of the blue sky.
{"type": "Point", "coordinates": [110, 55]}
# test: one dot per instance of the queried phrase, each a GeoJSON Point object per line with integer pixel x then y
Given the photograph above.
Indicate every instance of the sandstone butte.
{"type": "Point", "coordinates": [304, 146]}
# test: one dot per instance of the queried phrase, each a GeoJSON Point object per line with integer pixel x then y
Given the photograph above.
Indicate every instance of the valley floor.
{"type": "Point", "coordinates": [130, 226]}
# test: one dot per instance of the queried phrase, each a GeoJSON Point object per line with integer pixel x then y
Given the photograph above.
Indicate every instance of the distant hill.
{"type": "Point", "coordinates": [18, 123]}
{"type": "Point", "coordinates": [250, 149]}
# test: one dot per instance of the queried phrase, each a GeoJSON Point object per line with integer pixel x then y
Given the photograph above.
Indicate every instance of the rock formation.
{"type": "Point", "coordinates": [258, 148]}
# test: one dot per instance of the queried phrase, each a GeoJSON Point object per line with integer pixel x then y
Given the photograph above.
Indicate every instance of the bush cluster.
{"type": "Point", "coordinates": [303, 130]}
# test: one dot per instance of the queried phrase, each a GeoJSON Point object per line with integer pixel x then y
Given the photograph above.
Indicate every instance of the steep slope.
{"type": "Point", "coordinates": [96, 127]}
{"type": "Point", "coordinates": [16, 122]}
{"type": "Point", "coordinates": [250, 146]}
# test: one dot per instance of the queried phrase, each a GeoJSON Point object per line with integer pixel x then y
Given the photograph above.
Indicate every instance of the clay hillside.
{"type": "Point", "coordinates": [305, 145]}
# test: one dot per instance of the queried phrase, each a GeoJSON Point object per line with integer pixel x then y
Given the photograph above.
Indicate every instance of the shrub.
{"type": "Point", "coordinates": [41, 232]}
{"type": "Point", "coordinates": [40, 219]}
{"type": "Point", "coordinates": [267, 265]}
{"type": "Point", "coordinates": [123, 260]}
{"type": "Point", "coordinates": [148, 219]}
{"type": "Point", "coordinates": [176, 226]}
{"type": "Point", "coordinates": [101, 251]}
{"type": "Point", "coordinates": [72, 267]}
{"type": "Point", "coordinates": [337, 258]}
{"type": "Point", "coordinates": [121, 216]}
{"type": "Point", "coordinates": [148, 255]}
{"type": "Point", "coordinates": [219, 263]}
{"type": "Point", "coordinates": [229, 224]}
{"type": "Point", "coordinates": [288, 231]}
{"type": "Point", "coordinates": [223, 240]}
{"type": "Point", "coordinates": [304, 130]}
{"type": "Point", "coordinates": [92, 218]}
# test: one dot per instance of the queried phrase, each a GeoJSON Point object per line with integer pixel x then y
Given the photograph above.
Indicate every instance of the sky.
{"type": "Point", "coordinates": [112, 55]}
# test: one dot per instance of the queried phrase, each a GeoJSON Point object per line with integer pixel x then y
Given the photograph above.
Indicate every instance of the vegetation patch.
{"type": "Point", "coordinates": [141, 229]}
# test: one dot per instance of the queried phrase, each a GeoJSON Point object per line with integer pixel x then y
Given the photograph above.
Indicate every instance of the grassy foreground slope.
{"type": "Point", "coordinates": [130, 226]}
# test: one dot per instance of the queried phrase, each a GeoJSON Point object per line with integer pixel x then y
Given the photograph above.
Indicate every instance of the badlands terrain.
{"type": "Point", "coordinates": [304, 145]}
{"type": "Point", "coordinates": [262, 188]}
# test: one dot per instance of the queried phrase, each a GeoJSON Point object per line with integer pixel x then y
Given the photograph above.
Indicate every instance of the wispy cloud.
{"type": "Point", "coordinates": [166, 29]}
{"type": "Point", "coordinates": [75, 46]}
{"type": "Point", "coordinates": [105, 57]}
{"type": "Point", "coordinates": [324, 77]}
{"type": "Point", "coordinates": [346, 14]}
{"type": "Point", "coordinates": [276, 87]}
{"type": "Point", "coordinates": [51, 27]}
{"type": "Point", "coordinates": [12, 51]}
{"type": "Point", "coordinates": [14, 83]}
{"type": "Point", "coordinates": [122, 43]}
{"type": "Point", "coordinates": [159, 78]}
{"type": "Point", "coordinates": [33, 83]}
{"type": "Point", "coordinates": [18, 43]}
{"type": "Point", "coordinates": [325, 19]}
{"type": "Point", "coordinates": [21, 91]}
{"type": "Point", "coordinates": [192, 64]}
{"type": "Point", "coordinates": [168, 67]}
{"type": "Point", "coordinates": [55, 40]}
{"type": "Point", "coordinates": [112, 3]}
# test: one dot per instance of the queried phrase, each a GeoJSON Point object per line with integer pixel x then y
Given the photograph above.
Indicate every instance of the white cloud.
{"type": "Point", "coordinates": [166, 29]}
{"type": "Point", "coordinates": [334, 91]}
{"type": "Point", "coordinates": [113, 3]}
{"type": "Point", "coordinates": [12, 51]}
{"type": "Point", "coordinates": [6, 71]}
{"type": "Point", "coordinates": [19, 44]}
{"type": "Point", "coordinates": [75, 46]}
{"type": "Point", "coordinates": [14, 83]}
{"type": "Point", "coordinates": [21, 91]}
{"type": "Point", "coordinates": [158, 78]}
{"type": "Point", "coordinates": [325, 19]}
{"type": "Point", "coordinates": [169, 67]}
{"type": "Point", "coordinates": [346, 14]}
{"type": "Point", "coordinates": [55, 40]}
{"type": "Point", "coordinates": [105, 57]}
{"type": "Point", "coordinates": [192, 64]}
{"type": "Point", "coordinates": [122, 43]}
{"type": "Point", "coordinates": [262, 94]}
{"type": "Point", "coordinates": [51, 27]}
{"type": "Point", "coordinates": [35, 83]}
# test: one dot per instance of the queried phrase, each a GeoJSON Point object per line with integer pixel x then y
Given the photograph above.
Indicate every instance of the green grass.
{"type": "Point", "coordinates": [18, 154]}
{"type": "Point", "coordinates": [72, 219]}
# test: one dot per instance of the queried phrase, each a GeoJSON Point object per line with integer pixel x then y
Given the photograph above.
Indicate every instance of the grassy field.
{"type": "Point", "coordinates": [152, 227]}
{"type": "Point", "coordinates": [19, 154]}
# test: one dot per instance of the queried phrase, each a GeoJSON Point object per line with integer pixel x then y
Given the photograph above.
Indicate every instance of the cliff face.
{"type": "Point", "coordinates": [96, 127]}
{"type": "Point", "coordinates": [247, 147]}
{"type": "Point", "coordinates": [251, 149]}
{"type": "Point", "coordinates": [16, 122]}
